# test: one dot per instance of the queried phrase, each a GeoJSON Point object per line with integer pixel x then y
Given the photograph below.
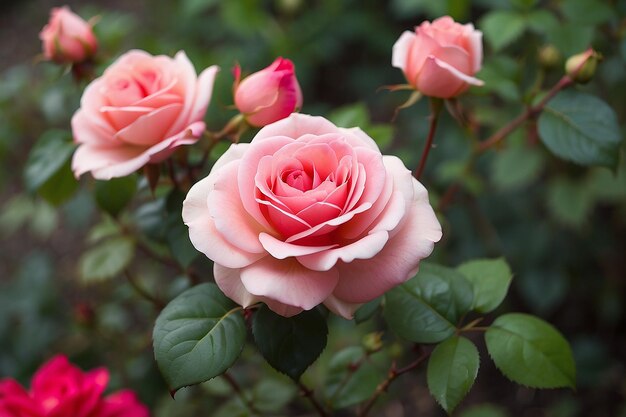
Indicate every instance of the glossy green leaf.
{"type": "Point", "coordinates": [452, 370]}
{"type": "Point", "coordinates": [490, 279]}
{"type": "Point", "coordinates": [581, 128]}
{"type": "Point", "coordinates": [426, 308]}
{"type": "Point", "coordinates": [60, 186]}
{"type": "Point", "coordinates": [502, 27]}
{"type": "Point", "coordinates": [367, 310]}
{"type": "Point", "coordinates": [114, 194]}
{"type": "Point", "coordinates": [290, 344]}
{"type": "Point", "coordinates": [107, 259]}
{"type": "Point", "coordinates": [48, 156]}
{"type": "Point", "coordinates": [351, 378]}
{"type": "Point", "coordinates": [516, 167]}
{"type": "Point", "coordinates": [198, 336]}
{"type": "Point", "coordinates": [531, 352]}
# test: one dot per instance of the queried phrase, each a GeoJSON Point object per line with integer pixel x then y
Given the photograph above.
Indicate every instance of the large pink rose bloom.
{"type": "Point", "coordinates": [60, 389]}
{"type": "Point", "coordinates": [67, 37]}
{"type": "Point", "coordinates": [440, 58]}
{"type": "Point", "coordinates": [138, 112]}
{"type": "Point", "coordinates": [310, 213]}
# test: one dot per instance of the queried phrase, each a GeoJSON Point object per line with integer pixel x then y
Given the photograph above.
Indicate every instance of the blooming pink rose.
{"type": "Point", "coordinates": [268, 95]}
{"type": "Point", "coordinates": [67, 37]}
{"type": "Point", "coordinates": [138, 112]}
{"type": "Point", "coordinates": [310, 213]}
{"type": "Point", "coordinates": [440, 58]}
{"type": "Point", "coordinates": [60, 389]}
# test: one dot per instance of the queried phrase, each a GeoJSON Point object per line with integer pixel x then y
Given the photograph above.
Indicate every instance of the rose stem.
{"type": "Point", "coordinates": [530, 113]}
{"type": "Point", "coordinates": [391, 376]}
{"type": "Point", "coordinates": [235, 386]}
{"type": "Point", "coordinates": [308, 393]}
{"type": "Point", "coordinates": [435, 110]}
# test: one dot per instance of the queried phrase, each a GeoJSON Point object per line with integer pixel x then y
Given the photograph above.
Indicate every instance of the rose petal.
{"type": "Point", "coordinates": [229, 281]}
{"type": "Point", "coordinates": [202, 231]}
{"type": "Point", "coordinates": [439, 79]}
{"type": "Point", "coordinates": [282, 250]}
{"type": "Point", "coordinates": [341, 308]}
{"type": "Point", "coordinates": [295, 126]}
{"type": "Point", "coordinates": [288, 282]}
{"type": "Point", "coordinates": [400, 50]}
{"type": "Point", "coordinates": [150, 128]}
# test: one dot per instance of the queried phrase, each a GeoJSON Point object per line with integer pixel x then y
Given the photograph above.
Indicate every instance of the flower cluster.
{"type": "Point", "coordinates": [60, 389]}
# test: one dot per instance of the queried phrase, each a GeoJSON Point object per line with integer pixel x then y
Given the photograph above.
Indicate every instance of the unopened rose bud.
{"type": "Point", "coordinates": [268, 95]}
{"type": "Point", "coordinates": [373, 342]}
{"type": "Point", "coordinates": [549, 56]}
{"type": "Point", "coordinates": [67, 38]}
{"type": "Point", "coordinates": [582, 67]}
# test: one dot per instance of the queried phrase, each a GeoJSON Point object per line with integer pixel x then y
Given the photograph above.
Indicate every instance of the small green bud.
{"type": "Point", "coordinates": [373, 342]}
{"type": "Point", "coordinates": [582, 67]}
{"type": "Point", "coordinates": [549, 56]}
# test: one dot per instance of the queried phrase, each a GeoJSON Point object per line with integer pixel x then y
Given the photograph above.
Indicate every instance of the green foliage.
{"type": "Point", "coordinates": [581, 128]}
{"type": "Point", "coordinates": [452, 369]}
{"type": "Point", "coordinates": [290, 344]}
{"type": "Point", "coordinates": [530, 352]}
{"type": "Point", "coordinates": [106, 260]}
{"type": "Point", "coordinates": [490, 279]}
{"type": "Point", "coordinates": [517, 167]}
{"type": "Point", "coordinates": [502, 27]}
{"type": "Point", "coordinates": [367, 310]}
{"type": "Point", "coordinates": [484, 410]}
{"type": "Point", "coordinates": [426, 308]}
{"type": "Point", "coordinates": [352, 377]}
{"type": "Point", "coordinates": [357, 115]}
{"type": "Point", "coordinates": [48, 167]}
{"type": "Point", "coordinates": [114, 195]}
{"type": "Point", "coordinates": [197, 336]}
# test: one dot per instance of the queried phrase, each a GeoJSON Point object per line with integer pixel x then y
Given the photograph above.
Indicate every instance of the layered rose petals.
{"type": "Point", "coordinates": [138, 112]}
{"type": "Point", "coordinates": [60, 389]}
{"type": "Point", "coordinates": [309, 213]}
{"type": "Point", "coordinates": [440, 58]}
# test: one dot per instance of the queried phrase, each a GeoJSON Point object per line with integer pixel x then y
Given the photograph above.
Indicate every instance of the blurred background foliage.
{"type": "Point", "coordinates": [562, 227]}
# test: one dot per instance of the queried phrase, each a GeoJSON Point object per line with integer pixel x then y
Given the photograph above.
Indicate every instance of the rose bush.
{"type": "Point", "coordinates": [138, 112]}
{"type": "Point", "coordinates": [310, 213]}
{"type": "Point", "coordinates": [60, 389]}
{"type": "Point", "coordinates": [67, 37]}
{"type": "Point", "coordinates": [268, 95]}
{"type": "Point", "coordinates": [440, 58]}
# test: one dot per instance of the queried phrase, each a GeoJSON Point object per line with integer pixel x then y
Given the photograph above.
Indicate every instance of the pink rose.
{"type": "Point", "coordinates": [440, 58]}
{"type": "Point", "coordinates": [138, 112]}
{"type": "Point", "coordinates": [60, 389]}
{"type": "Point", "coordinates": [268, 95]}
{"type": "Point", "coordinates": [67, 37]}
{"type": "Point", "coordinates": [310, 213]}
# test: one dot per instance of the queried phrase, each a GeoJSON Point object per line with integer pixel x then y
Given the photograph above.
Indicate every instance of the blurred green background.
{"type": "Point", "coordinates": [562, 227]}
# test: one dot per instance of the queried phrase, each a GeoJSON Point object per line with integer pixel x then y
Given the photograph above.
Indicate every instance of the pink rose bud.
{"type": "Point", "coordinates": [268, 95]}
{"type": "Point", "coordinates": [67, 38]}
{"type": "Point", "coordinates": [440, 58]}
{"type": "Point", "coordinates": [138, 112]}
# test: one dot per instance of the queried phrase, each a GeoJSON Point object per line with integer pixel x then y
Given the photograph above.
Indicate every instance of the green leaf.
{"type": "Point", "coordinates": [271, 395]}
{"type": "Point", "coordinates": [484, 410]}
{"type": "Point", "coordinates": [367, 310]}
{"type": "Point", "coordinates": [570, 38]}
{"type": "Point", "coordinates": [198, 336]}
{"type": "Point", "coordinates": [590, 12]}
{"type": "Point", "coordinates": [426, 308]}
{"type": "Point", "coordinates": [290, 344]}
{"type": "Point", "coordinates": [113, 195]}
{"type": "Point", "coordinates": [490, 278]}
{"type": "Point", "coordinates": [345, 386]}
{"type": "Point", "coordinates": [541, 21]}
{"type": "Point", "coordinates": [106, 260]}
{"type": "Point", "coordinates": [581, 128]}
{"type": "Point", "coordinates": [502, 27]}
{"type": "Point", "coordinates": [516, 167]}
{"type": "Point", "coordinates": [60, 186]}
{"type": "Point", "coordinates": [530, 351]}
{"type": "Point", "coordinates": [350, 116]}
{"type": "Point", "coordinates": [452, 369]}
{"type": "Point", "coordinates": [177, 234]}
{"type": "Point", "coordinates": [47, 157]}
{"type": "Point", "coordinates": [569, 202]}
{"type": "Point", "coordinates": [381, 133]}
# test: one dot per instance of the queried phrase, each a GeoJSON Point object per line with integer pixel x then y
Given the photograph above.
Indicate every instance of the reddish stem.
{"type": "Point", "coordinates": [435, 110]}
